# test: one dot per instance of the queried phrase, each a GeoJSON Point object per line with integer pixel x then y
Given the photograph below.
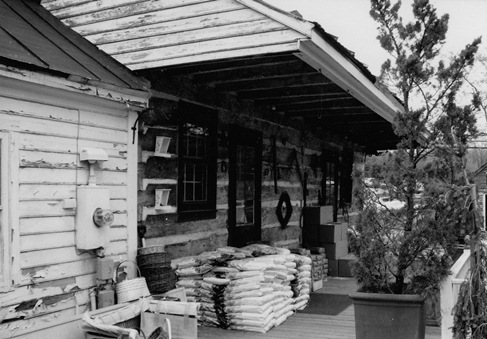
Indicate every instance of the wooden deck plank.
{"type": "Point", "coordinates": [303, 325]}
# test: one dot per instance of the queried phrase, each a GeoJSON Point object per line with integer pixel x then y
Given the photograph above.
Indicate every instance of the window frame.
{"type": "Point", "coordinates": [208, 118]}
{"type": "Point", "coordinates": [4, 212]}
{"type": "Point", "coordinates": [330, 159]}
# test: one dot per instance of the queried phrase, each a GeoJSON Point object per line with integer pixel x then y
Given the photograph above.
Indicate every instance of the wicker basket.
{"type": "Point", "coordinates": [155, 266]}
{"type": "Point", "coordinates": [131, 289]}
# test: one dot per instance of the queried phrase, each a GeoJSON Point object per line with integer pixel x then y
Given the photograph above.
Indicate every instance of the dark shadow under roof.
{"type": "Point", "coordinates": [31, 37]}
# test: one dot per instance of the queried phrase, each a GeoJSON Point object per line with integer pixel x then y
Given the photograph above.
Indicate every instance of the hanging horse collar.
{"type": "Point", "coordinates": [284, 200]}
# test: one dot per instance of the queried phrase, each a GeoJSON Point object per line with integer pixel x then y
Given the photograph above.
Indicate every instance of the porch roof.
{"type": "Point", "coordinates": [286, 65]}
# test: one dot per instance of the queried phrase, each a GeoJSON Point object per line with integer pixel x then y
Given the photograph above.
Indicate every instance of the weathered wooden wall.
{"type": "Point", "coordinates": [189, 238]}
{"type": "Point", "coordinates": [148, 34]}
{"type": "Point", "coordinates": [48, 127]}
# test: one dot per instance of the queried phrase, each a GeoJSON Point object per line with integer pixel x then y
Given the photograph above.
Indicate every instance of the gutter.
{"type": "Point", "coordinates": [322, 56]}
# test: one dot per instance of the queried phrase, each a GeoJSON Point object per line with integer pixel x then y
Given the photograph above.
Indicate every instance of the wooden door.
{"type": "Point", "coordinates": [244, 192]}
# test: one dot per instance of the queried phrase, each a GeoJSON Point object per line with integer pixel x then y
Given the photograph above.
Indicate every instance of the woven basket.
{"type": "Point", "coordinates": [161, 259]}
{"type": "Point", "coordinates": [161, 282]}
{"type": "Point", "coordinates": [155, 266]}
{"type": "Point", "coordinates": [131, 289]}
{"type": "Point", "coordinates": [151, 250]}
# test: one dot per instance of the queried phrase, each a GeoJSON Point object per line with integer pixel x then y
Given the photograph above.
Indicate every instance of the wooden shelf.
{"type": "Point", "coordinates": [153, 211]}
{"type": "Point", "coordinates": [147, 154]}
{"type": "Point", "coordinates": [145, 128]}
{"type": "Point", "coordinates": [147, 182]}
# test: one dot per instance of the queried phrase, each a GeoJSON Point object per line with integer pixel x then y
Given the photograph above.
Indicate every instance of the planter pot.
{"type": "Point", "coordinates": [386, 316]}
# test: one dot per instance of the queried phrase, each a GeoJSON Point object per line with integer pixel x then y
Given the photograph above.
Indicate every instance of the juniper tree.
{"type": "Point", "coordinates": [426, 168]}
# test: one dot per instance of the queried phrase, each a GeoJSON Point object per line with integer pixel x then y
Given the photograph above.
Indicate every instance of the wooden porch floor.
{"type": "Point", "coordinates": [313, 326]}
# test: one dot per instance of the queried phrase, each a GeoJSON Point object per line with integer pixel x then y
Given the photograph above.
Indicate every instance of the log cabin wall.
{"type": "Point", "coordinates": [47, 121]}
{"type": "Point", "coordinates": [190, 238]}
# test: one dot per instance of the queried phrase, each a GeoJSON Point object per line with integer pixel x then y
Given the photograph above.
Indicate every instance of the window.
{"type": "Point", "coordinates": [330, 182]}
{"type": "Point", "coordinates": [4, 230]}
{"type": "Point", "coordinates": [197, 162]}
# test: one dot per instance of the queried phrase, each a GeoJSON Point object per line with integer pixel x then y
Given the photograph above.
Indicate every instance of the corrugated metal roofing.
{"type": "Point", "coordinates": [32, 36]}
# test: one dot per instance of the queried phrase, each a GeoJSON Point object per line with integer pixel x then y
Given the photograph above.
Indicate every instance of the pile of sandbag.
{"type": "Point", "coordinates": [302, 284]}
{"type": "Point", "coordinates": [252, 288]}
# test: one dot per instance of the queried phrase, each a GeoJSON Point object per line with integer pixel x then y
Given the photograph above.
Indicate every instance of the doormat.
{"type": "Point", "coordinates": [327, 304]}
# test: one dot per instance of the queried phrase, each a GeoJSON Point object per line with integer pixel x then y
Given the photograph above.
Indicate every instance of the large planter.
{"type": "Point", "coordinates": [386, 316]}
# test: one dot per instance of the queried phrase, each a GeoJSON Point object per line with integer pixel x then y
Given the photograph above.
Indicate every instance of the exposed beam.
{"type": "Point", "coordinates": [291, 91]}
{"type": "Point", "coordinates": [325, 104]}
{"type": "Point", "coordinates": [282, 81]}
{"type": "Point", "coordinates": [343, 111]}
{"type": "Point", "coordinates": [271, 68]}
{"type": "Point", "coordinates": [211, 66]}
{"type": "Point", "coordinates": [271, 100]}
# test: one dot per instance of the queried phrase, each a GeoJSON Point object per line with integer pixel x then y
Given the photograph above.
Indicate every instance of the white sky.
{"type": "Point", "coordinates": [350, 21]}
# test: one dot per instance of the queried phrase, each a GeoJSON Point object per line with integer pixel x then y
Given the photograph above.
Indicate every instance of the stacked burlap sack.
{"type": "Point", "coordinates": [247, 288]}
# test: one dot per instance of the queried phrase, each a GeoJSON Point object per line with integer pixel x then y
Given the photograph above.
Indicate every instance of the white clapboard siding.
{"type": "Point", "coordinates": [43, 208]}
{"type": "Point", "coordinates": [60, 192]}
{"type": "Point", "coordinates": [66, 160]}
{"type": "Point", "coordinates": [46, 225]}
{"type": "Point", "coordinates": [47, 192]}
{"type": "Point", "coordinates": [69, 303]}
{"type": "Point", "coordinates": [70, 176]}
{"type": "Point", "coordinates": [65, 223]}
{"type": "Point", "coordinates": [65, 254]}
{"type": "Point", "coordinates": [39, 322]}
{"type": "Point", "coordinates": [118, 121]}
{"type": "Point", "coordinates": [67, 144]}
{"type": "Point", "coordinates": [117, 247]}
{"type": "Point", "coordinates": [120, 219]}
{"type": "Point", "coordinates": [85, 282]}
{"type": "Point", "coordinates": [51, 257]}
{"type": "Point", "coordinates": [118, 233]}
{"type": "Point", "coordinates": [59, 271]}
{"type": "Point", "coordinates": [48, 159]}
{"type": "Point", "coordinates": [46, 126]}
{"type": "Point", "coordinates": [191, 37]}
{"type": "Point", "coordinates": [136, 60]}
{"type": "Point", "coordinates": [38, 242]}
{"type": "Point", "coordinates": [219, 19]}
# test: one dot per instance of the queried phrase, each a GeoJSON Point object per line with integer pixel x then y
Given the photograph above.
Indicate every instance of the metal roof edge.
{"type": "Point", "coordinates": [322, 56]}
{"type": "Point", "coordinates": [300, 25]}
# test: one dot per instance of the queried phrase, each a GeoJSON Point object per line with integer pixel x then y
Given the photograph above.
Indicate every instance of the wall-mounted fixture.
{"type": "Point", "coordinates": [162, 144]}
{"type": "Point", "coordinates": [161, 197]}
{"type": "Point", "coordinates": [93, 215]}
{"type": "Point", "coordinates": [93, 155]}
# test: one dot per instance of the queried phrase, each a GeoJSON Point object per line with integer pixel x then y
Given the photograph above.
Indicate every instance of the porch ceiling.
{"type": "Point", "coordinates": [284, 85]}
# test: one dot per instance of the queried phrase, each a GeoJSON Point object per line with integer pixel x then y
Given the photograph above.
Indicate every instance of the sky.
{"type": "Point", "coordinates": [350, 21]}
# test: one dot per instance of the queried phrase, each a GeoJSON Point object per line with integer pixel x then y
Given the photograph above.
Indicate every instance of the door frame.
{"type": "Point", "coordinates": [247, 137]}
